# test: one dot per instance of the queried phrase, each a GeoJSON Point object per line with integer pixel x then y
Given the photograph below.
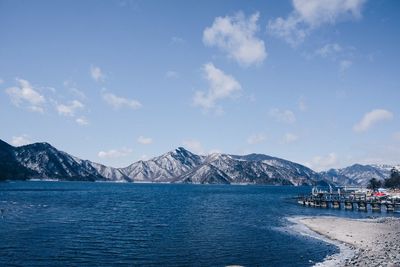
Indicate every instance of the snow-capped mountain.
{"type": "Point", "coordinates": [43, 161]}
{"type": "Point", "coordinates": [165, 168]}
{"type": "Point", "coordinates": [357, 174]}
{"type": "Point", "coordinates": [205, 174]}
{"type": "Point", "coordinates": [10, 168]}
{"type": "Point", "coordinates": [183, 166]}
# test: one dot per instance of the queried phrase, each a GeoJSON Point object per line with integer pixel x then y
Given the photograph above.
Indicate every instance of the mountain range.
{"type": "Point", "coordinates": [43, 161]}
{"type": "Point", "coordinates": [357, 174]}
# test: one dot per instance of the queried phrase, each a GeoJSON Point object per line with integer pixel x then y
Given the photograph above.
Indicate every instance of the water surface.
{"type": "Point", "coordinates": [103, 224]}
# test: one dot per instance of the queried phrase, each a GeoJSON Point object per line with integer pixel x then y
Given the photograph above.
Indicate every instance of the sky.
{"type": "Point", "coordinates": [312, 81]}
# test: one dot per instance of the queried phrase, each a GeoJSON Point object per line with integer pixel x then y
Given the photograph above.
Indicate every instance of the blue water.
{"type": "Point", "coordinates": [103, 224]}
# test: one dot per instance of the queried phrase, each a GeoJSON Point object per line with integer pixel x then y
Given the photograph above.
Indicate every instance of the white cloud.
{"type": "Point", "coordinates": [286, 116]}
{"type": "Point", "coordinates": [82, 121]}
{"type": "Point", "coordinates": [329, 50]}
{"type": "Point", "coordinates": [20, 140]}
{"type": "Point", "coordinates": [236, 36]}
{"type": "Point", "coordinates": [371, 118]}
{"type": "Point", "coordinates": [97, 74]}
{"type": "Point", "coordinates": [321, 163]}
{"type": "Point", "coordinates": [78, 93]}
{"type": "Point", "coordinates": [290, 138]}
{"type": "Point", "coordinates": [193, 146]}
{"type": "Point", "coordinates": [71, 86]}
{"type": "Point", "coordinates": [215, 151]}
{"type": "Point", "coordinates": [308, 15]}
{"type": "Point", "coordinates": [221, 86]}
{"type": "Point", "coordinates": [317, 12]}
{"type": "Point", "coordinates": [256, 139]}
{"type": "Point", "coordinates": [120, 102]}
{"type": "Point", "coordinates": [144, 157]}
{"type": "Point", "coordinates": [144, 140]}
{"type": "Point", "coordinates": [288, 29]}
{"type": "Point", "coordinates": [337, 53]}
{"type": "Point", "coordinates": [172, 74]}
{"type": "Point", "coordinates": [25, 95]}
{"type": "Point", "coordinates": [70, 108]}
{"type": "Point", "coordinates": [1, 81]}
{"type": "Point", "coordinates": [345, 65]}
{"type": "Point", "coordinates": [115, 153]}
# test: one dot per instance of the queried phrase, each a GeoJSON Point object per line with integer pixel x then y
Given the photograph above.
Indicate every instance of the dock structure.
{"type": "Point", "coordinates": [350, 201]}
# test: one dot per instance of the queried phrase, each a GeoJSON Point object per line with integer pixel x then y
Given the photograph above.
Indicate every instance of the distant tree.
{"type": "Point", "coordinates": [394, 180]}
{"type": "Point", "coordinates": [374, 184]}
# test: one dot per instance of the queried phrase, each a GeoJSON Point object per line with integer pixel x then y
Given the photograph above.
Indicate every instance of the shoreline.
{"type": "Point", "coordinates": [346, 252]}
{"type": "Point", "coordinates": [361, 242]}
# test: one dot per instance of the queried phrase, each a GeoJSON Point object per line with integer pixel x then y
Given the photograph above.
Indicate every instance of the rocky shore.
{"type": "Point", "coordinates": [375, 242]}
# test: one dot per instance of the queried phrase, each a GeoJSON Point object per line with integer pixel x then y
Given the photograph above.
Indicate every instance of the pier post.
{"type": "Point", "coordinates": [348, 205]}
{"type": "Point", "coordinates": [336, 204]}
{"type": "Point", "coordinates": [389, 207]}
{"type": "Point", "coordinates": [362, 205]}
{"type": "Point", "coordinates": [376, 206]}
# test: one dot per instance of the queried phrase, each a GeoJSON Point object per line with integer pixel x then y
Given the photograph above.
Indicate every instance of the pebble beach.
{"type": "Point", "coordinates": [374, 242]}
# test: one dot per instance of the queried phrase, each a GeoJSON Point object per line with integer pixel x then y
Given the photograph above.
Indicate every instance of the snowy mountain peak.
{"type": "Point", "coordinates": [43, 161]}
{"type": "Point", "coordinates": [357, 174]}
{"type": "Point", "coordinates": [181, 150]}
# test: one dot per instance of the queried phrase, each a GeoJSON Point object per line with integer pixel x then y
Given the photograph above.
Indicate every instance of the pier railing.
{"type": "Point", "coordinates": [350, 201]}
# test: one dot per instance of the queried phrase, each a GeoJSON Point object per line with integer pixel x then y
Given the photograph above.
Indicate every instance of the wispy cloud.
{"type": "Point", "coordinates": [256, 139]}
{"type": "Point", "coordinates": [69, 109]}
{"type": "Point", "coordinates": [97, 74]}
{"type": "Point", "coordinates": [290, 138]}
{"type": "Point", "coordinates": [172, 74]}
{"type": "Point", "coordinates": [221, 86]}
{"type": "Point", "coordinates": [321, 163]}
{"type": "Point", "coordinates": [343, 55]}
{"type": "Point", "coordinates": [308, 15]}
{"type": "Point", "coordinates": [236, 36]}
{"type": "Point", "coordinates": [286, 116]}
{"type": "Point", "coordinates": [24, 95]}
{"type": "Point", "coordinates": [21, 140]}
{"type": "Point", "coordinates": [71, 86]}
{"type": "Point", "coordinates": [193, 146]}
{"type": "Point", "coordinates": [345, 65]}
{"type": "Point", "coordinates": [175, 40]}
{"type": "Point", "coordinates": [82, 121]}
{"type": "Point", "coordinates": [328, 50]}
{"type": "Point", "coordinates": [371, 118]}
{"type": "Point", "coordinates": [115, 153]}
{"type": "Point", "coordinates": [118, 102]}
{"type": "Point", "coordinates": [144, 140]}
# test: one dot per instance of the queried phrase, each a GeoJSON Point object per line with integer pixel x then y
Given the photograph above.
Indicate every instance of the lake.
{"type": "Point", "coordinates": [103, 224]}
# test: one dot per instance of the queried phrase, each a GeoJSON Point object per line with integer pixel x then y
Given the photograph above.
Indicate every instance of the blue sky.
{"type": "Point", "coordinates": [316, 82]}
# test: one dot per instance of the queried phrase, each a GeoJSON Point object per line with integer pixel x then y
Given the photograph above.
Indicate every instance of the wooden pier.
{"type": "Point", "coordinates": [349, 201]}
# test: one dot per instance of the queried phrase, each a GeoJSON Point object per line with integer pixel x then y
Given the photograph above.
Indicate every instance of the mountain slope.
{"type": "Point", "coordinates": [357, 174]}
{"type": "Point", "coordinates": [165, 168]}
{"type": "Point", "coordinates": [262, 169]}
{"type": "Point", "coordinates": [205, 174]}
{"type": "Point", "coordinates": [50, 163]}
{"type": "Point", "coordinates": [43, 161]}
{"type": "Point", "coordinates": [182, 166]}
{"type": "Point", "coordinates": [10, 168]}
